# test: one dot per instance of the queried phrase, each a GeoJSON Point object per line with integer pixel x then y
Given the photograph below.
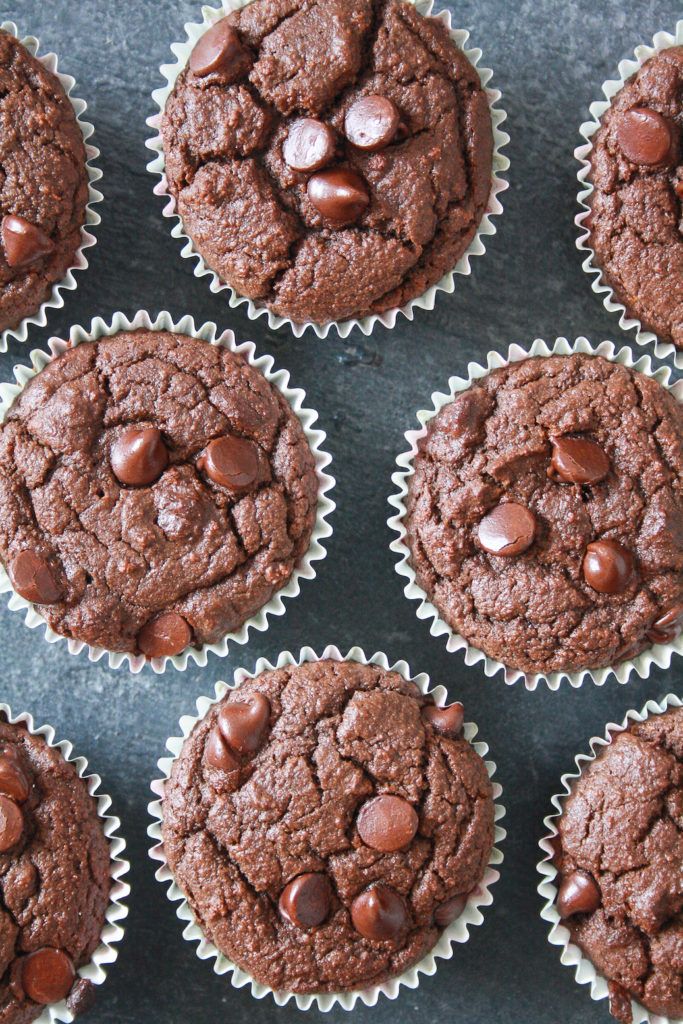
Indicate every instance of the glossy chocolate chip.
{"type": "Point", "coordinates": [608, 567]}
{"type": "Point", "coordinates": [448, 720]}
{"type": "Point", "coordinates": [579, 894]}
{"type": "Point", "coordinates": [371, 122]}
{"type": "Point", "coordinates": [619, 1003]}
{"type": "Point", "coordinates": [23, 242]}
{"type": "Point", "coordinates": [644, 136]}
{"type": "Point", "coordinates": [310, 145]}
{"type": "Point", "coordinates": [33, 579]}
{"type": "Point", "coordinates": [47, 975]}
{"type": "Point", "coordinates": [667, 627]}
{"type": "Point", "coordinates": [218, 754]}
{"type": "Point", "coordinates": [139, 456]}
{"type": "Point", "coordinates": [13, 781]}
{"type": "Point", "coordinates": [305, 902]}
{"type": "Point", "coordinates": [11, 823]}
{"type": "Point", "coordinates": [231, 462]}
{"type": "Point", "coordinates": [217, 50]}
{"type": "Point", "coordinates": [450, 911]}
{"type": "Point", "coordinates": [578, 460]}
{"type": "Point", "coordinates": [508, 530]}
{"type": "Point", "coordinates": [339, 195]}
{"type": "Point", "coordinates": [243, 723]}
{"type": "Point", "coordinates": [379, 914]}
{"type": "Point", "coordinates": [678, 189]}
{"type": "Point", "coordinates": [387, 823]}
{"type": "Point", "coordinates": [164, 636]}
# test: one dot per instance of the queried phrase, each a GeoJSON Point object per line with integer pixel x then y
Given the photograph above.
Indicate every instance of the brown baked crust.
{"type": "Point", "coordinates": [248, 213]}
{"type": "Point", "coordinates": [339, 734]}
{"type": "Point", "coordinates": [635, 211]}
{"type": "Point", "coordinates": [623, 824]}
{"type": "Point", "coordinates": [124, 554]}
{"type": "Point", "coordinates": [43, 176]}
{"type": "Point", "coordinates": [536, 612]}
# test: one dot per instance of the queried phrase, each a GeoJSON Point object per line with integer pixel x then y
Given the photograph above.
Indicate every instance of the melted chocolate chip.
{"type": "Point", "coordinates": [508, 530]}
{"type": "Point", "coordinates": [309, 145]}
{"type": "Point", "coordinates": [578, 894]}
{"type": "Point", "coordinates": [219, 49]}
{"type": "Point", "coordinates": [231, 462]}
{"type": "Point", "coordinates": [667, 627]}
{"type": "Point", "coordinates": [371, 122]}
{"type": "Point", "coordinates": [608, 567]}
{"type": "Point", "coordinates": [387, 823]}
{"type": "Point", "coordinates": [11, 823]}
{"type": "Point", "coordinates": [305, 902]}
{"type": "Point", "coordinates": [450, 911]}
{"type": "Point", "coordinates": [33, 579]}
{"type": "Point", "coordinates": [139, 456]}
{"type": "Point", "coordinates": [448, 720]}
{"type": "Point", "coordinates": [577, 460]}
{"type": "Point", "coordinates": [339, 195]}
{"type": "Point", "coordinates": [23, 242]}
{"type": "Point", "coordinates": [217, 753]}
{"type": "Point", "coordinates": [243, 723]}
{"type": "Point", "coordinates": [13, 781]}
{"type": "Point", "coordinates": [164, 636]}
{"type": "Point", "coordinates": [645, 136]}
{"type": "Point", "coordinates": [379, 914]}
{"type": "Point", "coordinates": [47, 975]}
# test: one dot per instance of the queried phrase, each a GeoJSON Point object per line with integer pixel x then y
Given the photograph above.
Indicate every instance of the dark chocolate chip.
{"type": "Point", "coordinates": [309, 145]}
{"type": "Point", "coordinates": [379, 914]}
{"type": "Point", "coordinates": [139, 456]}
{"type": "Point", "coordinates": [339, 195]}
{"type": "Point", "coordinates": [608, 567]}
{"type": "Point", "coordinates": [81, 997]}
{"type": "Point", "coordinates": [371, 122]}
{"type": "Point", "coordinates": [450, 911]}
{"type": "Point", "coordinates": [33, 579]}
{"type": "Point", "coordinates": [667, 627]}
{"type": "Point", "coordinates": [387, 823]}
{"type": "Point", "coordinates": [219, 49]}
{"type": "Point", "coordinates": [448, 720]}
{"type": "Point", "coordinates": [13, 781]}
{"type": "Point", "coordinates": [305, 901]}
{"type": "Point", "coordinates": [645, 136]}
{"type": "Point", "coordinates": [508, 530]}
{"type": "Point", "coordinates": [579, 894]}
{"type": "Point", "coordinates": [47, 975]}
{"type": "Point", "coordinates": [231, 462]}
{"type": "Point", "coordinates": [243, 723]}
{"type": "Point", "coordinates": [164, 636]}
{"type": "Point", "coordinates": [23, 242]}
{"type": "Point", "coordinates": [11, 823]}
{"type": "Point", "coordinates": [577, 460]}
{"type": "Point", "coordinates": [217, 753]}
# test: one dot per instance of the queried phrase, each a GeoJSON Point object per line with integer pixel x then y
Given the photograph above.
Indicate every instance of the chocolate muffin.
{"type": "Point", "coordinates": [155, 492]}
{"type": "Point", "coordinates": [545, 514]}
{"type": "Point", "coordinates": [325, 823]}
{"type": "Point", "coordinates": [636, 217]}
{"type": "Point", "coordinates": [329, 158]}
{"type": "Point", "coordinates": [54, 878]}
{"type": "Point", "coordinates": [620, 858]}
{"type": "Point", "coordinates": [43, 182]}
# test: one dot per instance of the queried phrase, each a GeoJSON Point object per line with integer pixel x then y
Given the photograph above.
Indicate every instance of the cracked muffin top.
{"type": "Point", "coordinates": [329, 158]}
{"type": "Point", "coordinates": [54, 878]}
{"type": "Point", "coordinates": [636, 216]}
{"type": "Point", "coordinates": [545, 514]}
{"type": "Point", "coordinates": [43, 182]}
{"type": "Point", "coordinates": [325, 823]}
{"type": "Point", "coordinates": [620, 857]}
{"type": "Point", "coordinates": [155, 491]}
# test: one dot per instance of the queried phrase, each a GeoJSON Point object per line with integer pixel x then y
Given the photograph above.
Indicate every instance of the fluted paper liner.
{"type": "Point", "coordinates": [307, 417]}
{"type": "Point", "coordinates": [659, 654]}
{"type": "Point", "coordinates": [571, 956]}
{"type": "Point", "coordinates": [92, 218]}
{"type": "Point", "coordinates": [455, 933]}
{"type": "Point", "coordinates": [255, 309]}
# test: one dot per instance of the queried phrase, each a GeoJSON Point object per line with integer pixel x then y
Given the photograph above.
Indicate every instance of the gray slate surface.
{"type": "Point", "coordinates": [549, 58]}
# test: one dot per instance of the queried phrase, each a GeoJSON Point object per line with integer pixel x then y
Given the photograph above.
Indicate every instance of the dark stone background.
{"type": "Point", "coordinates": [549, 58]}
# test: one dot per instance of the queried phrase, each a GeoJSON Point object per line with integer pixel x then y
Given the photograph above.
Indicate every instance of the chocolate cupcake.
{"type": "Point", "coordinates": [326, 821]}
{"type": "Point", "coordinates": [371, 171]}
{"type": "Point", "coordinates": [156, 492]}
{"type": "Point", "coordinates": [541, 513]}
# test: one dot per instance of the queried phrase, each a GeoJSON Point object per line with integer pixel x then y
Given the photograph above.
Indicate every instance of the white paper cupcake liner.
{"type": "Point", "coordinates": [193, 31]}
{"type": "Point", "coordinates": [307, 417]}
{"type": "Point", "coordinates": [456, 933]}
{"type": "Point", "coordinates": [92, 218]}
{"type": "Point", "coordinates": [626, 69]}
{"type": "Point", "coordinates": [659, 655]}
{"type": "Point", "coordinates": [571, 956]}
{"type": "Point", "coordinates": [112, 931]}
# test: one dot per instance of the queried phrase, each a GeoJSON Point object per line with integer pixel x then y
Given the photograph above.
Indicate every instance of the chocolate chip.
{"type": "Point", "coordinates": [578, 894]}
{"type": "Point", "coordinates": [23, 242]}
{"type": "Point", "coordinates": [678, 189]}
{"type": "Point", "coordinates": [139, 456]}
{"type": "Point", "coordinates": [305, 902]}
{"type": "Point", "coordinates": [11, 823]}
{"type": "Point", "coordinates": [577, 460]}
{"type": "Point", "coordinates": [217, 753]}
{"type": "Point", "coordinates": [309, 145]}
{"type": "Point", "coordinates": [508, 530]}
{"type": "Point", "coordinates": [379, 914]}
{"type": "Point", "coordinates": [33, 579]}
{"type": "Point", "coordinates": [619, 1003]}
{"type": "Point", "coordinates": [244, 723]}
{"type": "Point", "coordinates": [340, 195]}
{"type": "Point", "coordinates": [448, 720]}
{"type": "Point", "coordinates": [371, 122]}
{"type": "Point", "coordinates": [47, 975]}
{"type": "Point", "coordinates": [387, 823]}
{"type": "Point", "coordinates": [231, 462]}
{"type": "Point", "coordinates": [608, 567]}
{"type": "Point", "coordinates": [450, 911]}
{"type": "Point", "coordinates": [667, 627]}
{"type": "Point", "coordinates": [645, 137]}
{"type": "Point", "coordinates": [13, 781]}
{"type": "Point", "coordinates": [164, 636]}
{"type": "Point", "coordinates": [219, 49]}
{"type": "Point", "coordinates": [81, 997]}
